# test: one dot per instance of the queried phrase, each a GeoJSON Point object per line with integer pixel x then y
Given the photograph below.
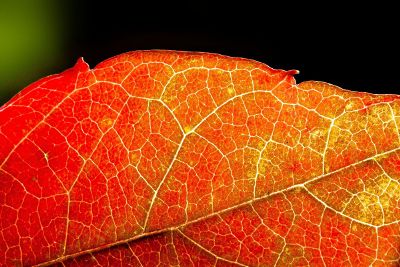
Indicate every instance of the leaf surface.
{"type": "Point", "coordinates": [197, 159]}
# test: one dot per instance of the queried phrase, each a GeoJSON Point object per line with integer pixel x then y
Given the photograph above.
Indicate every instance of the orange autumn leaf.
{"type": "Point", "coordinates": [197, 159]}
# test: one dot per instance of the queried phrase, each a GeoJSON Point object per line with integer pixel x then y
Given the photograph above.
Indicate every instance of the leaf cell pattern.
{"type": "Point", "coordinates": [197, 159]}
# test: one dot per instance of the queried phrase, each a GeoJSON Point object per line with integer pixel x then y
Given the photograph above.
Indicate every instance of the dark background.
{"type": "Point", "coordinates": [355, 47]}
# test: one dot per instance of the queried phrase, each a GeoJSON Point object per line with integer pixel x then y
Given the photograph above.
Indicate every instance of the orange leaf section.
{"type": "Point", "coordinates": [196, 159]}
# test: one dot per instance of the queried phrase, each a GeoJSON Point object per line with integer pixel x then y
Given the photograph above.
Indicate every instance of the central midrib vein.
{"type": "Point", "coordinates": [180, 226]}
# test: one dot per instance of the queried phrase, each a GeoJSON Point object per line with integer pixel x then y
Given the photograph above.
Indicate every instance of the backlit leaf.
{"type": "Point", "coordinates": [196, 159]}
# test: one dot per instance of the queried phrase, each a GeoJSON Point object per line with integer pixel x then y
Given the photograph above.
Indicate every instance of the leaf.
{"type": "Point", "coordinates": [177, 158]}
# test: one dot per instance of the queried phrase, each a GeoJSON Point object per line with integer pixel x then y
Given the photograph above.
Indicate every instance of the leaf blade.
{"type": "Point", "coordinates": [158, 141]}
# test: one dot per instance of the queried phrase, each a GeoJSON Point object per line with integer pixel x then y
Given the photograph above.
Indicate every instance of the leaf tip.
{"type": "Point", "coordinates": [293, 72]}
{"type": "Point", "coordinates": [81, 65]}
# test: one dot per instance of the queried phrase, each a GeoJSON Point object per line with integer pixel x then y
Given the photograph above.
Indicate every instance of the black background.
{"type": "Point", "coordinates": [353, 47]}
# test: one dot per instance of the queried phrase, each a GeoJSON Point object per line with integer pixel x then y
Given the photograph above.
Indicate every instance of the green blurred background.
{"type": "Point", "coordinates": [355, 48]}
{"type": "Point", "coordinates": [32, 38]}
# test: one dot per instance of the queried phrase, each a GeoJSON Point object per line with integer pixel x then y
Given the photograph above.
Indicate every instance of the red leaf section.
{"type": "Point", "coordinates": [195, 159]}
